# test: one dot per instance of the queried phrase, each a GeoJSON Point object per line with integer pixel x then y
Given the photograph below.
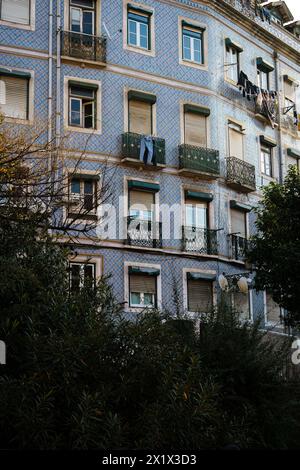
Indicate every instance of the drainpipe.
{"type": "Point", "coordinates": [58, 74]}
{"type": "Point", "coordinates": [50, 71]}
{"type": "Point", "coordinates": [277, 80]}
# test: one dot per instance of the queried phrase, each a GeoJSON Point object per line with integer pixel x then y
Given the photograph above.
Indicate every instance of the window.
{"type": "Point", "coordinates": [241, 304]}
{"type": "Point", "coordinates": [272, 310]}
{"type": "Point", "coordinates": [289, 96]}
{"type": "Point", "coordinates": [15, 11]}
{"type": "Point", "coordinates": [232, 60]}
{"type": "Point", "coordinates": [138, 28]}
{"type": "Point", "coordinates": [195, 126]}
{"type": "Point", "coordinates": [238, 223]}
{"type": "Point", "coordinates": [199, 294]}
{"type": "Point", "coordinates": [266, 160]}
{"type": "Point", "coordinates": [196, 213]}
{"type": "Point", "coordinates": [192, 43]}
{"type": "Point", "coordinates": [140, 113]}
{"type": "Point", "coordinates": [14, 96]}
{"type": "Point", "coordinates": [82, 16]}
{"type": "Point", "coordinates": [81, 275]}
{"type": "Point", "coordinates": [143, 287]}
{"type": "Point", "coordinates": [236, 141]}
{"type": "Point", "coordinates": [141, 205]}
{"type": "Point", "coordinates": [292, 158]}
{"type": "Point", "coordinates": [82, 106]}
{"type": "Point", "coordinates": [83, 194]}
{"type": "Point", "coordinates": [263, 80]}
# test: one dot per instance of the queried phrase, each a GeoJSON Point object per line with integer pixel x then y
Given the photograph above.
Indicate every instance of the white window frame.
{"type": "Point", "coordinates": [88, 258]}
{"type": "Point", "coordinates": [98, 111]}
{"type": "Point", "coordinates": [30, 98]}
{"type": "Point", "coordinates": [138, 34]}
{"type": "Point", "coordinates": [199, 26]}
{"type": "Point", "coordinates": [137, 309]}
{"type": "Point", "coordinates": [30, 26]}
{"type": "Point", "coordinates": [151, 29]}
{"type": "Point", "coordinates": [232, 71]}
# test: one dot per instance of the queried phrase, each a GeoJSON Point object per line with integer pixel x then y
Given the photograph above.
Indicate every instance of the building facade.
{"type": "Point", "coordinates": [148, 90]}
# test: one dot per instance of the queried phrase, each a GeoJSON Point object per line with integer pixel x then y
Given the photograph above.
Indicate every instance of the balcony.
{"type": "Point", "coordinates": [84, 46]}
{"type": "Point", "coordinates": [240, 175]}
{"type": "Point", "coordinates": [199, 240]}
{"type": "Point", "coordinates": [131, 147]}
{"type": "Point", "coordinates": [238, 246]}
{"type": "Point", "coordinates": [199, 161]}
{"type": "Point", "coordinates": [143, 233]}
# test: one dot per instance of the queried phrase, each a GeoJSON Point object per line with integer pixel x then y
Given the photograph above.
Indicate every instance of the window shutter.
{"type": "Point", "coordinates": [195, 129]}
{"type": "Point", "coordinates": [140, 117]}
{"type": "Point", "coordinates": [289, 90]}
{"type": "Point", "coordinates": [199, 295]}
{"type": "Point", "coordinates": [273, 309]}
{"type": "Point", "coordinates": [236, 144]}
{"type": "Point", "coordinates": [16, 11]}
{"type": "Point", "coordinates": [16, 97]}
{"type": "Point", "coordinates": [238, 223]}
{"type": "Point", "coordinates": [141, 200]}
{"type": "Point", "coordinates": [143, 283]}
{"type": "Point", "coordinates": [241, 305]}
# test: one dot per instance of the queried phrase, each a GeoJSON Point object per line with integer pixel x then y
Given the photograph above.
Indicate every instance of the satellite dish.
{"type": "Point", "coordinates": [106, 30]}
{"type": "Point", "coordinates": [223, 282]}
{"type": "Point", "coordinates": [243, 285]}
{"type": "Point", "coordinates": [2, 92]}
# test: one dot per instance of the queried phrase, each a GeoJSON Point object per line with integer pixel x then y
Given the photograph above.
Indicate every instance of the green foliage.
{"type": "Point", "coordinates": [276, 248]}
{"type": "Point", "coordinates": [79, 375]}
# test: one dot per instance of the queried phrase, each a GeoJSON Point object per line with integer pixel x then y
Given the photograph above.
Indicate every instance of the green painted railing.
{"type": "Point", "coordinates": [199, 159]}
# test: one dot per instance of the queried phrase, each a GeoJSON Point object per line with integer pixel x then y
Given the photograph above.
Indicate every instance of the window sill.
{"type": "Point", "coordinates": [139, 50]}
{"type": "Point", "coordinates": [10, 24]}
{"type": "Point", "coordinates": [82, 130]}
{"type": "Point", "coordinates": [192, 64]}
{"type": "Point", "coordinates": [25, 122]}
{"type": "Point", "coordinates": [231, 82]}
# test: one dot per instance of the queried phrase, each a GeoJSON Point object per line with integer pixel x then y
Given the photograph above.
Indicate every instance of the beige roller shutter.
{"type": "Point", "coordinates": [236, 144]}
{"type": "Point", "coordinates": [140, 117]}
{"type": "Point", "coordinates": [16, 91]}
{"type": "Point", "coordinates": [199, 295]}
{"type": "Point", "coordinates": [273, 309]}
{"type": "Point", "coordinates": [141, 200]}
{"type": "Point", "coordinates": [195, 129]}
{"type": "Point", "coordinates": [238, 222]}
{"type": "Point", "coordinates": [241, 305]}
{"type": "Point", "coordinates": [142, 283]}
{"type": "Point", "coordinates": [16, 11]}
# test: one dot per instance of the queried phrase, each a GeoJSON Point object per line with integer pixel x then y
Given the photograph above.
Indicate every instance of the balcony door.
{"type": "Point", "coordinates": [141, 215]}
{"type": "Point", "coordinates": [236, 141]}
{"type": "Point", "coordinates": [82, 16]}
{"type": "Point", "coordinates": [196, 225]}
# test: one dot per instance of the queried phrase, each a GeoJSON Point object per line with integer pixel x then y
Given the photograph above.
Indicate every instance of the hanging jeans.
{"type": "Point", "coordinates": [147, 150]}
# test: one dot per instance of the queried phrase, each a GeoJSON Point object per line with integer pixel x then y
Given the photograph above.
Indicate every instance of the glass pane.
{"type": "Point", "coordinates": [190, 216]}
{"type": "Point", "coordinates": [148, 299]}
{"type": "Point", "coordinates": [135, 298]}
{"type": "Point", "coordinates": [75, 277]}
{"type": "Point", "coordinates": [89, 115]}
{"type": "Point", "coordinates": [75, 186]}
{"type": "Point", "coordinates": [88, 187]}
{"type": "Point", "coordinates": [75, 20]}
{"type": "Point", "coordinates": [132, 26]}
{"type": "Point", "coordinates": [75, 112]}
{"type": "Point", "coordinates": [201, 217]}
{"type": "Point", "coordinates": [197, 50]}
{"type": "Point", "coordinates": [187, 48]}
{"type": "Point", "coordinates": [88, 22]}
{"type": "Point", "coordinates": [144, 35]}
{"type": "Point", "coordinates": [16, 11]}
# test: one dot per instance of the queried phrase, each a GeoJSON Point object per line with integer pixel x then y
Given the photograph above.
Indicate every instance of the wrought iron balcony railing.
{"type": "Point", "coordinates": [199, 240]}
{"type": "Point", "coordinates": [84, 46]}
{"type": "Point", "coordinates": [238, 246]}
{"type": "Point", "coordinates": [240, 175]}
{"type": "Point", "coordinates": [131, 148]}
{"type": "Point", "coordinates": [145, 233]}
{"type": "Point", "coordinates": [199, 160]}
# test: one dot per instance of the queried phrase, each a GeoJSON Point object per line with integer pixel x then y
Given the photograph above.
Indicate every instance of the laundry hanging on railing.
{"type": "Point", "coordinates": [264, 13]}
{"type": "Point", "coordinates": [266, 102]}
{"type": "Point", "coordinates": [147, 150]}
